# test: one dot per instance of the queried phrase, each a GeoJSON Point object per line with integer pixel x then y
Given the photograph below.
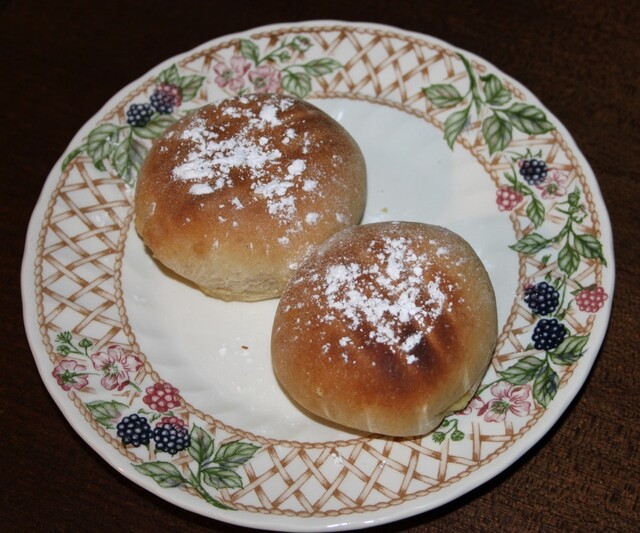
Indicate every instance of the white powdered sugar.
{"type": "Point", "coordinates": [386, 297]}
{"type": "Point", "coordinates": [214, 159]}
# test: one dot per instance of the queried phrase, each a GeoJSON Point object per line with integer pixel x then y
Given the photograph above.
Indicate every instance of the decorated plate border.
{"type": "Point", "coordinates": [561, 236]}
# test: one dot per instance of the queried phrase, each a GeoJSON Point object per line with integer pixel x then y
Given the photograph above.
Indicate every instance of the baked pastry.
{"type": "Point", "coordinates": [386, 328]}
{"type": "Point", "coordinates": [234, 195]}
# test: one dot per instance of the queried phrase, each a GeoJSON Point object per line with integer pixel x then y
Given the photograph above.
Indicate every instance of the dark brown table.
{"type": "Point", "coordinates": [60, 61]}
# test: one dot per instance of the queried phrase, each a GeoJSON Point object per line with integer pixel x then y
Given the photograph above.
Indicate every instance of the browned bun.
{"type": "Point", "coordinates": [234, 195]}
{"type": "Point", "coordinates": [386, 328]}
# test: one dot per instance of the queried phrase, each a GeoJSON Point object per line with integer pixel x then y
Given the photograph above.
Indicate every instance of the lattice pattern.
{"type": "Point", "coordinates": [82, 243]}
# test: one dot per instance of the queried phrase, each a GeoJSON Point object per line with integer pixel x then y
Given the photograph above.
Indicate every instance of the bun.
{"type": "Point", "coordinates": [234, 195]}
{"type": "Point", "coordinates": [386, 328]}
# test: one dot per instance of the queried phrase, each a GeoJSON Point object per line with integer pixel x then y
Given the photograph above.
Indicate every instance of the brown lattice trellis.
{"type": "Point", "coordinates": [78, 287]}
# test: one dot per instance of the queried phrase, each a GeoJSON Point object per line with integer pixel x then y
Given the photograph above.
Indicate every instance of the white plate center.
{"type": "Point", "coordinates": [217, 353]}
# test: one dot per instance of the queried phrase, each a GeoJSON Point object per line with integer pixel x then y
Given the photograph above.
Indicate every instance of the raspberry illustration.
{"type": "Point", "coordinates": [134, 430]}
{"type": "Point", "coordinates": [534, 171]}
{"type": "Point", "coordinates": [162, 397]}
{"type": "Point", "coordinates": [591, 300]}
{"type": "Point", "coordinates": [171, 438]}
{"type": "Point", "coordinates": [138, 115]}
{"type": "Point", "coordinates": [171, 420]}
{"type": "Point", "coordinates": [541, 298]}
{"type": "Point", "coordinates": [507, 198]}
{"type": "Point", "coordinates": [165, 98]}
{"type": "Point", "coordinates": [548, 334]}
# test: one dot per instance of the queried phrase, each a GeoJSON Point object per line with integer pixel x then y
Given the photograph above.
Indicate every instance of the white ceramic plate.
{"type": "Point", "coordinates": [444, 135]}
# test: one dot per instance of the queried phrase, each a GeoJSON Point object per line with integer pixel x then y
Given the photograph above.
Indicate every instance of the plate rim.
{"type": "Point", "coordinates": [390, 513]}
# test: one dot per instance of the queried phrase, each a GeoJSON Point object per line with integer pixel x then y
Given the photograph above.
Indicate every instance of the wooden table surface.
{"type": "Point", "coordinates": [61, 61]}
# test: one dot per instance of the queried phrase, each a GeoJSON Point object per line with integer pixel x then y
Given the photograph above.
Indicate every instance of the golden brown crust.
{"type": "Point", "coordinates": [386, 327]}
{"type": "Point", "coordinates": [233, 196]}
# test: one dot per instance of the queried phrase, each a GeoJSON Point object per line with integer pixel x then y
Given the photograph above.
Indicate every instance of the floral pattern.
{"type": "Point", "coordinates": [215, 467]}
{"type": "Point", "coordinates": [507, 399]}
{"type": "Point", "coordinates": [555, 184]}
{"type": "Point", "coordinates": [555, 232]}
{"type": "Point", "coordinates": [123, 147]}
{"type": "Point", "coordinates": [116, 364]}
{"type": "Point", "coordinates": [70, 375]}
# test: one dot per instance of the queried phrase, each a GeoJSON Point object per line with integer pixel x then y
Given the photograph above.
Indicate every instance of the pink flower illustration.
{"type": "Point", "coordinates": [506, 399]}
{"type": "Point", "coordinates": [232, 76]}
{"type": "Point", "coordinates": [475, 403]}
{"type": "Point", "coordinates": [555, 184]}
{"type": "Point", "coordinates": [70, 375]}
{"type": "Point", "coordinates": [116, 364]}
{"type": "Point", "coordinates": [265, 79]}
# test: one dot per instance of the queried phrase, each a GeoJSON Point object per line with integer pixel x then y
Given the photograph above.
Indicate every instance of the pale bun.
{"type": "Point", "coordinates": [234, 195]}
{"type": "Point", "coordinates": [386, 328]}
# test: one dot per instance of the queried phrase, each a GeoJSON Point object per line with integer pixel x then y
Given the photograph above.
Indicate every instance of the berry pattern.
{"type": "Point", "coordinates": [134, 430]}
{"type": "Point", "coordinates": [162, 397]}
{"type": "Point", "coordinates": [171, 420]}
{"type": "Point", "coordinates": [534, 171]}
{"type": "Point", "coordinates": [139, 115]}
{"type": "Point", "coordinates": [541, 298]}
{"type": "Point", "coordinates": [548, 334]}
{"type": "Point", "coordinates": [591, 300]}
{"type": "Point", "coordinates": [507, 198]}
{"type": "Point", "coordinates": [171, 437]}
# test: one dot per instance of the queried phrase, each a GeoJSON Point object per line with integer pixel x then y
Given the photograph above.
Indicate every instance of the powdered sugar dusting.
{"type": "Point", "coordinates": [214, 158]}
{"type": "Point", "coordinates": [387, 296]}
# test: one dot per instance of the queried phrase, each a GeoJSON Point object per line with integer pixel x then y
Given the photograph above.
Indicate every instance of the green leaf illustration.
{"type": "Point", "coordinates": [169, 75]}
{"type": "Point", "coordinates": [189, 86]}
{"type": "Point", "coordinates": [102, 141]}
{"type": "Point", "coordinates": [438, 437]}
{"type": "Point", "coordinates": [528, 119]}
{"type": "Point", "coordinates": [570, 350]}
{"type": "Point", "coordinates": [297, 83]}
{"type": "Point", "coordinates": [588, 246]}
{"type": "Point", "coordinates": [443, 95]}
{"type": "Point", "coordinates": [530, 244]}
{"type": "Point", "coordinates": [105, 413]}
{"type": "Point", "coordinates": [496, 133]}
{"type": "Point", "coordinates": [164, 474]}
{"type": "Point", "coordinates": [568, 259]}
{"type": "Point", "coordinates": [235, 453]}
{"type": "Point", "coordinates": [64, 336]}
{"type": "Point", "coordinates": [221, 478]}
{"type": "Point", "coordinates": [536, 212]}
{"type": "Point", "coordinates": [127, 159]}
{"type": "Point", "coordinates": [72, 154]}
{"type": "Point", "coordinates": [457, 435]}
{"type": "Point", "coordinates": [320, 67]}
{"type": "Point", "coordinates": [494, 91]}
{"type": "Point", "coordinates": [545, 385]}
{"type": "Point", "coordinates": [523, 371]}
{"type": "Point", "coordinates": [202, 445]}
{"type": "Point", "coordinates": [250, 50]}
{"type": "Point", "coordinates": [154, 127]}
{"type": "Point", "coordinates": [454, 125]}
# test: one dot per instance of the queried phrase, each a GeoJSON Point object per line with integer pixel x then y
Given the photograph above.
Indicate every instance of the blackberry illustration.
{"type": "Point", "coordinates": [534, 171]}
{"type": "Point", "coordinates": [138, 115]}
{"type": "Point", "coordinates": [548, 334]}
{"type": "Point", "coordinates": [171, 438]}
{"type": "Point", "coordinates": [134, 430]}
{"type": "Point", "coordinates": [541, 298]}
{"type": "Point", "coordinates": [162, 102]}
{"type": "Point", "coordinates": [165, 98]}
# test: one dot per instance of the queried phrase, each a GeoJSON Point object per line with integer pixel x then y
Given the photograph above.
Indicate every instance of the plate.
{"type": "Point", "coordinates": [448, 139]}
